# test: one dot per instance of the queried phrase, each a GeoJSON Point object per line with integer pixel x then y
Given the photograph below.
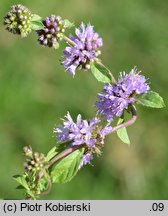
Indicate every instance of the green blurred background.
{"type": "Point", "coordinates": [35, 92]}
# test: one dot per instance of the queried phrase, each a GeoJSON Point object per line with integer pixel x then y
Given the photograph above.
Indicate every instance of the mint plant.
{"type": "Point", "coordinates": [78, 141]}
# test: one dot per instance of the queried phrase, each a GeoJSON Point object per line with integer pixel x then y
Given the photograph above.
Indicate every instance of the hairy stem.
{"type": "Point", "coordinates": [63, 154]}
{"type": "Point", "coordinates": [67, 39]}
{"type": "Point", "coordinates": [129, 122]}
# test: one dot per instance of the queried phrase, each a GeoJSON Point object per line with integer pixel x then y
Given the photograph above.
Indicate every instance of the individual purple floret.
{"type": "Point", "coordinates": [86, 159]}
{"type": "Point", "coordinates": [87, 48]}
{"type": "Point", "coordinates": [83, 132]}
{"type": "Point", "coordinates": [116, 98]}
{"type": "Point", "coordinates": [52, 31]}
{"type": "Point", "coordinates": [62, 134]}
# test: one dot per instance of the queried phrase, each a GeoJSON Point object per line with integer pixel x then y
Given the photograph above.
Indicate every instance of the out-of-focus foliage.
{"type": "Point", "coordinates": [35, 93]}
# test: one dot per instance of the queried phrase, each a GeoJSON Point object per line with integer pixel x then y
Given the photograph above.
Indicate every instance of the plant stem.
{"type": "Point", "coordinates": [67, 39]}
{"type": "Point", "coordinates": [63, 154]}
{"type": "Point", "coordinates": [48, 189]}
{"type": "Point", "coordinates": [129, 122]}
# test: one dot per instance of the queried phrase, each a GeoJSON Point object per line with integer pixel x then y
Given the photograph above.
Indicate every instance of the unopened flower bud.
{"type": "Point", "coordinates": [18, 20]}
{"type": "Point", "coordinates": [52, 31]}
{"type": "Point", "coordinates": [32, 162]}
{"type": "Point", "coordinates": [35, 161]}
{"type": "Point", "coordinates": [35, 155]}
{"type": "Point", "coordinates": [87, 66]}
{"type": "Point", "coordinates": [27, 150]}
{"type": "Point", "coordinates": [29, 168]}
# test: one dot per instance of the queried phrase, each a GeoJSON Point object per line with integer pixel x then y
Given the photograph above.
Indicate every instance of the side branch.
{"type": "Point", "coordinates": [69, 41]}
{"type": "Point", "coordinates": [129, 122]}
{"type": "Point", "coordinates": [63, 154]}
{"type": "Point", "coordinates": [71, 149]}
{"type": "Point", "coordinates": [58, 157]}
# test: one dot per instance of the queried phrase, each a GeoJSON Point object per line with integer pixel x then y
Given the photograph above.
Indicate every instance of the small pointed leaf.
{"type": "Point", "coordinates": [56, 149]}
{"type": "Point", "coordinates": [20, 187]}
{"type": "Point", "coordinates": [100, 73]}
{"type": "Point", "coordinates": [52, 153]}
{"type": "Point", "coordinates": [36, 18]}
{"type": "Point", "coordinates": [68, 24]}
{"type": "Point", "coordinates": [37, 25]}
{"type": "Point", "coordinates": [122, 133]}
{"type": "Point", "coordinates": [22, 181]}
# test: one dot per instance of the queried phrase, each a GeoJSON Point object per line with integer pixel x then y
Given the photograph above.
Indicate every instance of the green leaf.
{"type": "Point", "coordinates": [20, 187]}
{"type": "Point", "coordinates": [151, 99]}
{"type": "Point", "coordinates": [122, 133]}
{"type": "Point", "coordinates": [43, 183]}
{"type": "Point", "coordinates": [22, 181]}
{"type": "Point", "coordinates": [52, 153]}
{"type": "Point", "coordinates": [36, 18]}
{"type": "Point", "coordinates": [67, 168]}
{"type": "Point", "coordinates": [37, 25]}
{"type": "Point", "coordinates": [101, 73]}
{"type": "Point", "coordinates": [30, 194]}
{"type": "Point", "coordinates": [56, 149]}
{"type": "Point", "coordinates": [68, 24]}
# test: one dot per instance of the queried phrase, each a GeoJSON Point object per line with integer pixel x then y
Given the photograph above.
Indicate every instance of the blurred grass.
{"type": "Point", "coordinates": [35, 93]}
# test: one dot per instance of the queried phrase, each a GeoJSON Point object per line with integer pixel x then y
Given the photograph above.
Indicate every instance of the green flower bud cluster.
{"type": "Point", "coordinates": [18, 20]}
{"type": "Point", "coordinates": [35, 161]}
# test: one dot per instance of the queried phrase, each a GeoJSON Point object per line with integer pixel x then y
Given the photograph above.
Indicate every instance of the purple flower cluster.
{"type": "Point", "coordinates": [83, 53]}
{"type": "Point", "coordinates": [79, 133]}
{"type": "Point", "coordinates": [116, 98]}
{"type": "Point", "coordinates": [82, 132]}
{"type": "Point", "coordinates": [52, 31]}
